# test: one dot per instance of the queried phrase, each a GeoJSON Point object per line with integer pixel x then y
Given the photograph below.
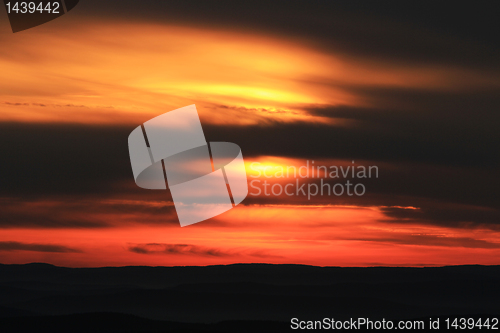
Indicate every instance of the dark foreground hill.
{"type": "Point", "coordinates": [251, 297]}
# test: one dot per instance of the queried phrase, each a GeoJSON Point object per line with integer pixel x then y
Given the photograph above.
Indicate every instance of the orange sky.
{"type": "Point", "coordinates": [120, 73]}
{"type": "Point", "coordinates": [126, 73]}
{"type": "Point", "coordinates": [317, 235]}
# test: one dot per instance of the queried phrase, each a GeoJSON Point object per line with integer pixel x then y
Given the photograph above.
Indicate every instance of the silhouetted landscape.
{"type": "Point", "coordinates": [234, 298]}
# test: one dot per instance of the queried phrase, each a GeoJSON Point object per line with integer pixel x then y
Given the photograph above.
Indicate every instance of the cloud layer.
{"type": "Point", "coordinates": [409, 88]}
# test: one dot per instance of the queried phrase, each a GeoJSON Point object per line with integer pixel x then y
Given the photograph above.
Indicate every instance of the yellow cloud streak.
{"type": "Point", "coordinates": [131, 72]}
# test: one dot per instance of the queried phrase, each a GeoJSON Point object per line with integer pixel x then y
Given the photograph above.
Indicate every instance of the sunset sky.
{"type": "Point", "coordinates": [408, 90]}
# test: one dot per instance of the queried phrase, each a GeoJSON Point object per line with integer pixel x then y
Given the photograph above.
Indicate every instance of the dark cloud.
{"type": "Point", "coordinates": [325, 141]}
{"type": "Point", "coordinates": [17, 246]}
{"type": "Point", "coordinates": [451, 215]}
{"type": "Point", "coordinates": [421, 159]}
{"type": "Point", "coordinates": [431, 127]}
{"type": "Point", "coordinates": [62, 158]}
{"type": "Point", "coordinates": [47, 105]}
{"type": "Point", "coordinates": [84, 212]}
{"type": "Point", "coordinates": [49, 217]}
{"type": "Point", "coordinates": [151, 248]}
{"type": "Point", "coordinates": [253, 111]}
{"type": "Point", "coordinates": [432, 240]}
{"type": "Point", "coordinates": [16, 104]}
{"type": "Point", "coordinates": [183, 249]}
{"type": "Point", "coordinates": [420, 32]}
